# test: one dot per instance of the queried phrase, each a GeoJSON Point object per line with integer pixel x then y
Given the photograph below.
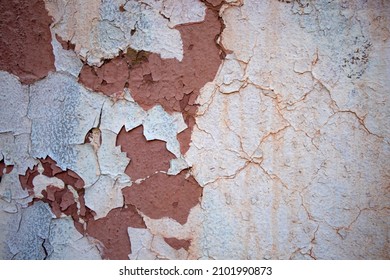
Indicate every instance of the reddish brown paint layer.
{"type": "Point", "coordinates": [109, 79]}
{"type": "Point", "coordinates": [66, 45]}
{"type": "Point", "coordinates": [112, 231]}
{"type": "Point", "coordinates": [50, 167]}
{"type": "Point", "coordinates": [171, 83]}
{"type": "Point", "coordinates": [215, 3]}
{"type": "Point", "coordinates": [177, 244]}
{"type": "Point", "coordinates": [60, 200]}
{"type": "Point", "coordinates": [184, 137]}
{"type": "Point", "coordinates": [27, 179]}
{"type": "Point", "coordinates": [165, 196]}
{"type": "Point", "coordinates": [174, 84]}
{"type": "Point", "coordinates": [146, 157]}
{"type": "Point", "coordinates": [112, 77]}
{"type": "Point", "coordinates": [25, 39]}
{"type": "Point", "coordinates": [5, 169]}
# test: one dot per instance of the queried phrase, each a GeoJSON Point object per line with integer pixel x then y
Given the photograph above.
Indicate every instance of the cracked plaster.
{"type": "Point", "coordinates": [103, 29]}
{"type": "Point", "coordinates": [69, 244]}
{"type": "Point", "coordinates": [289, 154]}
{"type": "Point", "coordinates": [146, 246]}
{"type": "Point", "coordinates": [311, 145]}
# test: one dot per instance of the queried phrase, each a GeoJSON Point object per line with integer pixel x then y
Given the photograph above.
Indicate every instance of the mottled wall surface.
{"type": "Point", "coordinates": [194, 129]}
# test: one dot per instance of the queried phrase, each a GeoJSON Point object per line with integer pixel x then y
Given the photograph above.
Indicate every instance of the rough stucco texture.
{"type": "Point", "coordinates": [189, 129]}
{"type": "Point", "coordinates": [25, 42]}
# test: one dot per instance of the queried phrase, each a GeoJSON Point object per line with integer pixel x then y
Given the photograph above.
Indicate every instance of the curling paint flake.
{"type": "Point", "coordinates": [209, 129]}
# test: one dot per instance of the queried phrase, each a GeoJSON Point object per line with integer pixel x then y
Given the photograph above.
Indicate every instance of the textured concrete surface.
{"type": "Point", "coordinates": [194, 129]}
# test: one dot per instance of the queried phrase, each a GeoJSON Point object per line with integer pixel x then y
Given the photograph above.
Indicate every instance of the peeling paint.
{"type": "Point", "coordinates": [14, 138]}
{"type": "Point", "coordinates": [151, 247]}
{"type": "Point", "coordinates": [69, 244]}
{"type": "Point", "coordinates": [66, 60]}
{"type": "Point", "coordinates": [178, 243]}
{"type": "Point", "coordinates": [173, 84]}
{"type": "Point", "coordinates": [107, 28]}
{"type": "Point", "coordinates": [286, 138]}
{"type": "Point", "coordinates": [208, 129]}
{"type": "Point", "coordinates": [146, 157]}
{"type": "Point", "coordinates": [25, 40]}
{"type": "Point", "coordinates": [62, 113]}
{"type": "Point", "coordinates": [5, 169]}
{"type": "Point", "coordinates": [110, 78]}
{"type": "Point", "coordinates": [30, 242]}
{"type": "Point", "coordinates": [162, 195]}
{"type": "Point", "coordinates": [62, 190]}
{"type": "Point", "coordinates": [112, 231]}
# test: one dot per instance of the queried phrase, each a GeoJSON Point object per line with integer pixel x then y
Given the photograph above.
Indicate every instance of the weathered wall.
{"type": "Point", "coordinates": [189, 129]}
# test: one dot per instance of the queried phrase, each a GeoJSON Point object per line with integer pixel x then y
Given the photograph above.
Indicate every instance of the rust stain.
{"type": "Point", "coordinates": [112, 231]}
{"type": "Point", "coordinates": [146, 157]}
{"type": "Point", "coordinates": [25, 40]}
{"type": "Point", "coordinates": [177, 244]}
{"type": "Point", "coordinates": [165, 196]}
